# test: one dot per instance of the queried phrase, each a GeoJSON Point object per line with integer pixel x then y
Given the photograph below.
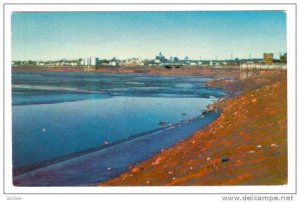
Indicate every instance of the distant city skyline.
{"type": "Point", "coordinates": [198, 35]}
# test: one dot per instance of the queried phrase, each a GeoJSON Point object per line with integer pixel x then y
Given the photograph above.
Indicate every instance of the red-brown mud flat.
{"type": "Point", "coordinates": [245, 145]}
{"type": "Point", "coordinates": [187, 71]}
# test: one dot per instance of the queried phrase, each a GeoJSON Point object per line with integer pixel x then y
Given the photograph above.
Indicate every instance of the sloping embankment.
{"type": "Point", "coordinates": [246, 145]}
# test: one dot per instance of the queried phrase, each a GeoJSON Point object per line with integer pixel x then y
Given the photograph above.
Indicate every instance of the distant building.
{"type": "Point", "coordinates": [268, 58]}
{"type": "Point", "coordinates": [156, 61]}
{"type": "Point", "coordinates": [113, 63]}
{"type": "Point", "coordinates": [283, 58]}
{"type": "Point", "coordinates": [193, 63]}
{"type": "Point", "coordinates": [90, 61]}
{"type": "Point", "coordinates": [94, 61]}
{"type": "Point", "coordinates": [84, 61]}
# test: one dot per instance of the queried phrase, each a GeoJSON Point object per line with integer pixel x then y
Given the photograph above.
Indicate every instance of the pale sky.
{"type": "Point", "coordinates": [206, 35]}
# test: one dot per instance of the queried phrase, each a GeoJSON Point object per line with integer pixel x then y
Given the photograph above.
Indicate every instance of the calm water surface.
{"type": "Point", "coordinates": [56, 114]}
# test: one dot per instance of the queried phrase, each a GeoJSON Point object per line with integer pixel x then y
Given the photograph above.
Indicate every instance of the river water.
{"type": "Point", "coordinates": [58, 116]}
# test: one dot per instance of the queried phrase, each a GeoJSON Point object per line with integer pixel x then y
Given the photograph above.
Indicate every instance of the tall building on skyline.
{"type": "Point", "coordinates": [90, 61]}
